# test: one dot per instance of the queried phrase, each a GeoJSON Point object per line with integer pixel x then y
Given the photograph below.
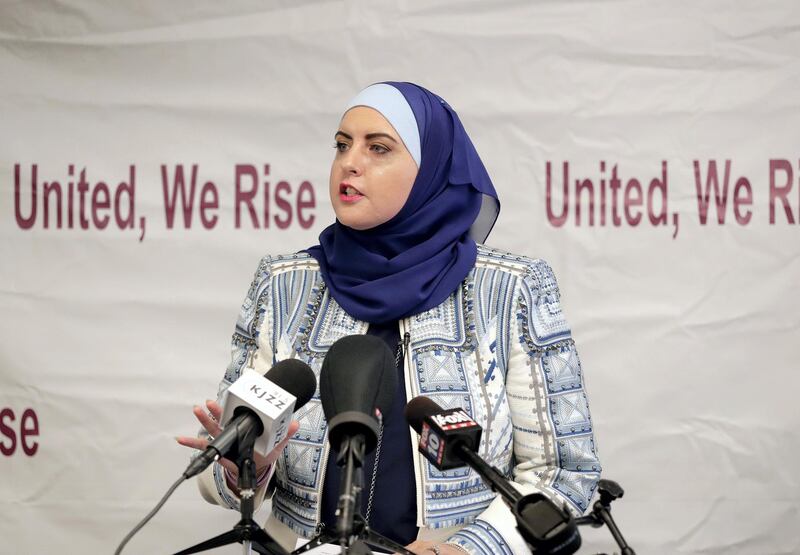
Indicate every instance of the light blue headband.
{"type": "Point", "coordinates": [391, 103]}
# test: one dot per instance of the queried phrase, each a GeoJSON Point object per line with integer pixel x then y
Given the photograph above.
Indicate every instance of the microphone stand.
{"type": "Point", "coordinates": [601, 513]}
{"type": "Point", "coordinates": [352, 532]}
{"type": "Point", "coordinates": [517, 503]}
{"type": "Point", "coordinates": [247, 531]}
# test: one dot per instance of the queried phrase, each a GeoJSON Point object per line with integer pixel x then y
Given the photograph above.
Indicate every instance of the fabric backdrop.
{"type": "Point", "coordinates": [676, 243]}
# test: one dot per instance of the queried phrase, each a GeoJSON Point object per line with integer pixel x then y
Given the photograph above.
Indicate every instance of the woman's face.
{"type": "Point", "coordinates": [372, 173]}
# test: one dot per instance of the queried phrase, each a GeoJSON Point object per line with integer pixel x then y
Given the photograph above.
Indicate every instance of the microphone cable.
{"type": "Point", "coordinates": [150, 515]}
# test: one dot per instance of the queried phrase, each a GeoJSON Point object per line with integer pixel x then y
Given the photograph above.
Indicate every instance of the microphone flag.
{"type": "Point", "coordinates": [272, 404]}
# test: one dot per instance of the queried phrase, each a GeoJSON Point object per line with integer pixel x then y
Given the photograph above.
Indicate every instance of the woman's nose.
{"type": "Point", "coordinates": [351, 162]}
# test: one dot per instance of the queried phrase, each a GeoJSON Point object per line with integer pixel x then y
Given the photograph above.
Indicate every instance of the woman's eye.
{"type": "Point", "coordinates": [380, 149]}
{"type": "Point", "coordinates": [340, 146]}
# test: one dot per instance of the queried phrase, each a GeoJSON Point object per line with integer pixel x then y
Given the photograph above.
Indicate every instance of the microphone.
{"type": "Point", "coordinates": [357, 382]}
{"type": "Point", "coordinates": [260, 407]}
{"type": "Point", "coordinates": [443, 433]}
{"type": "Point", "coordinates": [450, 438]}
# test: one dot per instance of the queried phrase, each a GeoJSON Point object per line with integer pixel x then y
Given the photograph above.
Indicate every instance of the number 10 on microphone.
{"type": "Point", "coordinates": [431, 445]}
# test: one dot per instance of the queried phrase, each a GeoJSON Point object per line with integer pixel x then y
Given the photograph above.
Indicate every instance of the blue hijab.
{"type": "Point", "coordinates": [414, 261]}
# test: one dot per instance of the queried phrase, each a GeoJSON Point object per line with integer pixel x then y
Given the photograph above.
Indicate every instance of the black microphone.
{"type": "Point", "coordinates": [358, 377]}
{"type": "Point", "coordinates": [260, 407]}
{"type": "Point", "coordinates": [443, 433]}
{"type": "Point", "coordinates": [450, 438]}
{"type": "Point", "coordinates": [357, 382]}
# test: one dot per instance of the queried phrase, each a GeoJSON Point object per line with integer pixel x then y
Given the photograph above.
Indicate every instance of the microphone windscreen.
{"type": "Point", "coordinates": [295, 377]}
{"type": "Point", "coordinates": [358, 375]}
{"type": "Point", "coordinates": [418, 408]}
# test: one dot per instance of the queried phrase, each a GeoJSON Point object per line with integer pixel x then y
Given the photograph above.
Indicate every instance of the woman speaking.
{"type": "Point", "coordinates": [472, 327]}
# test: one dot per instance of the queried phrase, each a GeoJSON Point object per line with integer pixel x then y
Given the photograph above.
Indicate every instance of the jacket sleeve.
{"type": "Point", "coordinates": [553, 441]}
{"type": "Point", "coordinates": [250, 348]}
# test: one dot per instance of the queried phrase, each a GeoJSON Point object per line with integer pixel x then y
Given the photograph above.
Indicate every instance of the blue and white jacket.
{"type": "Point", "coordinates": [499, 347]}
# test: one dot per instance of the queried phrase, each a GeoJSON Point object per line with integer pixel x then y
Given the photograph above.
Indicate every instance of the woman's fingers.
{"type": "Point", "coordinates": [210, 421]}
{"type": "Point", "coordinates": [206, 421]}
{"type": "Point", "coordinates": [273, 455]}
{"type": "Point", "coordinates": [423, 547]}
{"type": "Point", "coordinates": [193, 442]}
{"type": "Point", "coordinates": [201, 444]}
{"type": "Point", "coordinates": [294, 425]}
{"type": "Point", "coordinates": [229, 465]}
{"type": "Point", "coordinates": [214, 408]}
{"type": "Point", "coordinates": [420, 546]}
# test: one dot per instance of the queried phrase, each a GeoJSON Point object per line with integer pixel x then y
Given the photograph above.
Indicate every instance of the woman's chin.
{"type": "Point", "coordinates": [355, 225]}
{"type": "Point", "coordinates": [357, 221]}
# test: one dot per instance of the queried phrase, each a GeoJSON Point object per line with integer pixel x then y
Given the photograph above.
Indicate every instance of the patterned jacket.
{"type": "Point", "coordinates": [499, 347]}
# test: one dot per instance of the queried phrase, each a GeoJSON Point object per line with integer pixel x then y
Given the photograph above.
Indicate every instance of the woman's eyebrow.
{"type": "Point", "coordinates": [367, 136]}
{"type": "Point", "coordinates": [376, 135]}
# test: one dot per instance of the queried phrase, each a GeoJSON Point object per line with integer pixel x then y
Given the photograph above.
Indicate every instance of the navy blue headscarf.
{"type": "Point", "coordinates": [414, 261]}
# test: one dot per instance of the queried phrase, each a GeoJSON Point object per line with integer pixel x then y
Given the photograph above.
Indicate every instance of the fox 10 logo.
{"type": "Point", "coordinates": [431, 444]}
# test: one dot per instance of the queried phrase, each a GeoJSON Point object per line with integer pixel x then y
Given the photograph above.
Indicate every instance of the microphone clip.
{"type": "Point", "coordinates": [609, 491]}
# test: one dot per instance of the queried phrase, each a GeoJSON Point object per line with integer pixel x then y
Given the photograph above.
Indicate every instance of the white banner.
{"type": "Point", "coordinates": [152, 153]}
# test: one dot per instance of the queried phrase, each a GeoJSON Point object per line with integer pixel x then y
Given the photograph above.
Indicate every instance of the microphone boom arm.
{"type": "Point", "coordinates": [491, 476]}
{"type": "Point", "coordinates": [559, 526]}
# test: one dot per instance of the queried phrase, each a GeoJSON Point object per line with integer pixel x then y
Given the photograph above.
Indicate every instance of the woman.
{"type": "Point", "coordinates": [472, 327]}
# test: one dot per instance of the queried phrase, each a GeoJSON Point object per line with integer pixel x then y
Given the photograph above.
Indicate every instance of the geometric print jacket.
{"type": "Point", "coordinates": [498, 347]}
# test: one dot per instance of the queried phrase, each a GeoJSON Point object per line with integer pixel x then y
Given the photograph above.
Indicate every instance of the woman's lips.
{"type": "Point", "coordinates": [348, 193]}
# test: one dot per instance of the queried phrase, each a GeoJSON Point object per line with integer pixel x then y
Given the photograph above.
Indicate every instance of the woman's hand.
{"type": "Point", "coordinates": [421, 547]}
{"type": "Point", "coordinates": [210, 421]}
